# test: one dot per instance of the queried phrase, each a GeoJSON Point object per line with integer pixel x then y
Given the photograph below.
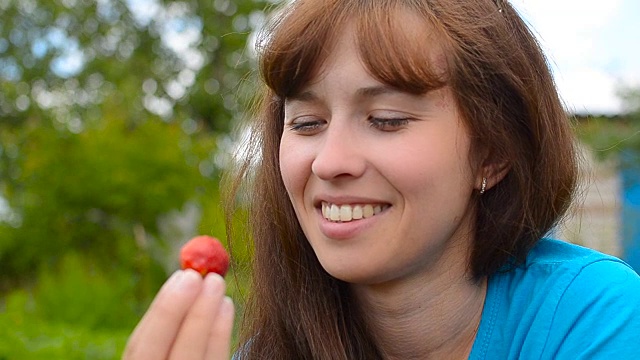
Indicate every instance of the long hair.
{"type": "Point", "coordinates": [506, 97]}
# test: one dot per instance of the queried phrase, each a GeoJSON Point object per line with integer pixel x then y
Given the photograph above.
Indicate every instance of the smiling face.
{"type": "Point", "coordinates": [380, 179]}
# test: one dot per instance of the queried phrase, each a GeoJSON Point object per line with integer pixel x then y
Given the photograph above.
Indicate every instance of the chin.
{"type": "Point", "coordinates": [356, 275]}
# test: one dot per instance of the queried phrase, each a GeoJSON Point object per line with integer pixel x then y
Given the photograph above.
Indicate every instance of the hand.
{"type": "Point", "coordinates": [190, 318]}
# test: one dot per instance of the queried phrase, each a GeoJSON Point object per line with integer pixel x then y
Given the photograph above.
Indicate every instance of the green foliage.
{"type": "Point", "coordinates": [617, 136]}
{"type": "Point", "coordinates": [181, 60]}
{"type": "Point", "coordinates": [75, 311]}
{"type": "Point", "coordinates": [107, 299]}
{"type": "Point", "coordinates": [114, 117]}
{"type": "Point", "coordinates": [90, 191]}
{"type": "Point", "coordinates": [41, 340]}
{"type": "Point", "coordinates": [609, 136]}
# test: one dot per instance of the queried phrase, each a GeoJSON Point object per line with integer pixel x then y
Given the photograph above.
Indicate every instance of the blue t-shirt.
{"type": "Point", "coordinates": [565, 302]}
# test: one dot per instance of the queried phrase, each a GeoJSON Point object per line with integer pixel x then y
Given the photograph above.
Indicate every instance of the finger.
{"type": "Point", "coordinates": [158, 329]}
{"type": "Point", "coordinates": [219, 347]}
{"type": "Point", "coordinates": [196, 327]}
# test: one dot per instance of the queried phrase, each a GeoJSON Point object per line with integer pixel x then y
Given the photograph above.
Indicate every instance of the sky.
{"type": "Point", "coordinates": [593, 47]}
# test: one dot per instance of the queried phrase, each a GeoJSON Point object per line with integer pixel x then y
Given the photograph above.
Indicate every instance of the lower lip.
{"type": "Point", "coordinates": [345, 230]}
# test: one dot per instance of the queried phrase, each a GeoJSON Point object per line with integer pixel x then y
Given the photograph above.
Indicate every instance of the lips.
{"type": "Point", "coordinates": [350, 212]}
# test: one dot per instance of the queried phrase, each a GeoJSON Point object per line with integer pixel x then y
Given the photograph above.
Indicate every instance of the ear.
{"type": "Point", "coordinates": [493, 171]}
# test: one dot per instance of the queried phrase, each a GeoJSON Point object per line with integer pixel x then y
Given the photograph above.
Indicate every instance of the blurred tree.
{"type": "Point", "coordinates": [112, 115]}
{"type": "Point", "coordinates": [114, 125]}
{"type": "Point", "coordinates": [180, 60]}
{"type": "Point", "coordinates": [613, 136]}
{"type": "Point", "coordinates": [631, 100]}
{"type": "Point", "coordinates": [99, 192]}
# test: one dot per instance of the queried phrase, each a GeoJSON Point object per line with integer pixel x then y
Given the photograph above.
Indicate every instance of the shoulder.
{"type": "Point", "coordinates": [551, 252]}
{"type": "Point", "coordinates": [565, 300]}
{"type": "Point", "coordinates": [561, 270]}
{"type": "Point", "coordinates": [597, 313]}
{"type": "Point", "coordinates": [566, 266]}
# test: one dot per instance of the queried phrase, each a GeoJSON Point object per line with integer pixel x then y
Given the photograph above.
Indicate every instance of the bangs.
{"type": "Point", "coordinates": [399, 47]}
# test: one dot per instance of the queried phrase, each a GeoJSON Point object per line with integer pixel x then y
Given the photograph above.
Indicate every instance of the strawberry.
{"type": "Point", "coordinates": [204, 254]}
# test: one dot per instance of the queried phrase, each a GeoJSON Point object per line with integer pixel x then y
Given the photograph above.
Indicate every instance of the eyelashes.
{"type": "Point", "coordinates": [312, 125]}
{"type": "Point", "coordinates": [388, 124]}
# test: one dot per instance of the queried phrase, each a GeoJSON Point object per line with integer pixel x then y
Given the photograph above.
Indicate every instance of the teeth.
{"type": "Point", "coordinates": [335, 213]}
{"type": "Point", "coordinates": [346, 213]}
{"type": "Point", "coordinates": [356, 213]}
{"type": "Point", "coordinates": [367, 211]}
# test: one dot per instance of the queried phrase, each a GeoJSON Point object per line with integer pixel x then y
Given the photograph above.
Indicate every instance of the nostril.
{"type": "Point", "coordinates": [332, 164]}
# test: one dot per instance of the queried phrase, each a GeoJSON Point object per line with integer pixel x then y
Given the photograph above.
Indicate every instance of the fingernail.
{"type": "Point", "coordinates": [186, 279]}
{"type": "Point", "coordinates": [215, 277]}
{"type": "Point", "coordinates": [227, 302]}
{"type": "Point", "coordinates": [176, 274]}
{"type": "Point", "coordinates": [213, 283]}
{"type": "Point", "coordinates": [227, 306]}
{"type": "Point", "coordinates": [173, 279]}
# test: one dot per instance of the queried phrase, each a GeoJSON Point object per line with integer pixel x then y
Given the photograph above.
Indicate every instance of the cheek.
{"type": "Point", "coordinates": [441, 168]}
{"type": "Point", "coordinates": [294, 168]}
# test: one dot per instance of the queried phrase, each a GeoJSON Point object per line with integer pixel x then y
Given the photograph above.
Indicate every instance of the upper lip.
{"type": "Point", "coordinates": [345, 199]}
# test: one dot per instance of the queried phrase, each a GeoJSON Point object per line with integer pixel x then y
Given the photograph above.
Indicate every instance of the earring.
{"type": "Point", "coordinates": [484, 185]}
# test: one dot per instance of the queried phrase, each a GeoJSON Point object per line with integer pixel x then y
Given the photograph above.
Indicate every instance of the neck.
{"type": "Point", "coordinates": [424, 319]}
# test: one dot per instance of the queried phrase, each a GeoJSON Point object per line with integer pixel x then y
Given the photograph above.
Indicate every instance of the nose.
{"type": "Point", "coordinates": [340, 155]}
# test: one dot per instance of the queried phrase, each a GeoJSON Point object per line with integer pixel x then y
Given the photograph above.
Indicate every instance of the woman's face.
{"type": "Point", "coordinates": [380, 180]}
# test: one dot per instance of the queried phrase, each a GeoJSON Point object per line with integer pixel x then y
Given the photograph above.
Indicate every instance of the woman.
{"type": "Point", "coordinates": [413, 156]}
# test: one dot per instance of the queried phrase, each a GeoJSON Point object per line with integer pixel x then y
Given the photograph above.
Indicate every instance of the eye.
{"type": "Point", "coordinates": [388, 124]}
{"type": "Point", "coordinates": [306, 125]}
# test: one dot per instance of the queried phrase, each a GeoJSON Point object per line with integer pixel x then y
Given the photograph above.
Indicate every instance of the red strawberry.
{"type": "Point", "coordinates": [204, 254]}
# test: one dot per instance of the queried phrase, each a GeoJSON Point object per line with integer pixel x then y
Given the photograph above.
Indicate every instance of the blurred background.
{"type": "Point", "coordinates": [116, 123]}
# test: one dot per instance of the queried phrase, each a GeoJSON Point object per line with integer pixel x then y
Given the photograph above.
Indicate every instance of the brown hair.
{"type": "Point", "coordinates": [506, 97]}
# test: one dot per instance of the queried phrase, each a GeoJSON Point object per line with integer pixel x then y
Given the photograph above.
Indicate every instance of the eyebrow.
{"type": "Point", "coordinates": [305, 96]}
{"type": "Point", "coordinates": [365, 92]}
{"type": "Point", "coordinates": [373, 91]}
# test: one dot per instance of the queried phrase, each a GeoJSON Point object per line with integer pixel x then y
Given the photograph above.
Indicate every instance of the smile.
{"type": "Point", "coordinates": [346, 213]}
